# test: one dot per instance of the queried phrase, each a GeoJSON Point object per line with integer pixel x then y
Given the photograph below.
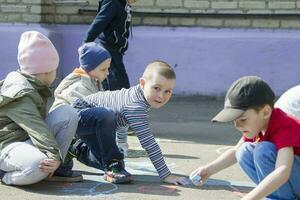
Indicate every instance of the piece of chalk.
{"type": "Point", "coordinates": [195, 178]}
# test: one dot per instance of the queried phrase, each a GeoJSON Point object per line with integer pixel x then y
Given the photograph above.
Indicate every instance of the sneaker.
{"type": "Point", "coordinates": [116, 173]}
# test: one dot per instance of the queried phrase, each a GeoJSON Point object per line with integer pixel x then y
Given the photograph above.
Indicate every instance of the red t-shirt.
{"type": "Point", "coordinates": [283, 131]}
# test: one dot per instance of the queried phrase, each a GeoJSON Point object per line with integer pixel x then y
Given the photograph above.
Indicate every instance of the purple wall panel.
{"type": "Point", "coordinates": [207, 61]}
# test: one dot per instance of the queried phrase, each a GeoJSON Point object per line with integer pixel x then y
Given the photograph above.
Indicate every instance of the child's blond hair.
{"type": "Point", "coordinates": [160, 67]}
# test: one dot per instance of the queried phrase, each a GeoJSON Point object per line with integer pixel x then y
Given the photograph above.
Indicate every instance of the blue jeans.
{"type": "Point", "coordinates": [258, 161]}
{"type": "Point", "coordinates": [97, 131]}
{"type": "Point", "coordinates": [117, 78]}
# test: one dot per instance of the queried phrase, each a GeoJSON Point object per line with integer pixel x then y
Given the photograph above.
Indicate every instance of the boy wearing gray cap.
{"type": "Point", "coordinates": [269, 150]}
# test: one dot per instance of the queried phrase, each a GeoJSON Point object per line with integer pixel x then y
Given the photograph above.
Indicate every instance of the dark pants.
{"type": "Point", "coordinates": [96, 129]}
{"type": "Point", "coordinates": [117, 78]}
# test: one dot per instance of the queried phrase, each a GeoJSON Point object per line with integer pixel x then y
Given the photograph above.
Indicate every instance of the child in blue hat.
{"type": "Point", "coordinates": [96, 127]}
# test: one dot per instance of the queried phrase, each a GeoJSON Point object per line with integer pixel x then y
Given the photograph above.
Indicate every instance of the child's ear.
{"type": "Point", "coordinates": [142, 82]}
{"type": "Point", "coordinates": [267, 111]}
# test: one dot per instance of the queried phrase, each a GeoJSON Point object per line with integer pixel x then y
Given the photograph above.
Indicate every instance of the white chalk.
{"type": "Point", "coordinates": [195, 178]}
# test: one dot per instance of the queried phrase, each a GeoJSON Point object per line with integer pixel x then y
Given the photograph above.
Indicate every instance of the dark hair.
{"type": "Point", "coordinates": [259, 107]}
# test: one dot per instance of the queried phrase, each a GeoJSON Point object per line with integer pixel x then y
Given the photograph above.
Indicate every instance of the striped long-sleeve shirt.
{"type": "Point", "coordinates": [131, 109]}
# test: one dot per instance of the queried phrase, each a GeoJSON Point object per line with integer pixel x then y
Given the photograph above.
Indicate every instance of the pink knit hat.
{"type": "Point", "coordinates": [36, 53]}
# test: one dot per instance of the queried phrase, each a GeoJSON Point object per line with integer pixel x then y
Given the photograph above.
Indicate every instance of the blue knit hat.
{"type": "Point", "coordinates": [91, 55]}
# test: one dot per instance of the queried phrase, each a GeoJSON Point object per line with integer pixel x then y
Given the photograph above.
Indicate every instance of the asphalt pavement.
{"type": "Point", "coordinates": [188, 140]}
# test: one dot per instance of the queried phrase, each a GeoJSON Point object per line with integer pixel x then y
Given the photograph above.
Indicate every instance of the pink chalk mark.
{"type": "Point", "coordinates": [157, 189]}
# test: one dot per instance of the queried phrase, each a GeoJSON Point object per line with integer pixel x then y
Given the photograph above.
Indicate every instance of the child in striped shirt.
{"type": "Point", "coordinates": [131, 107]}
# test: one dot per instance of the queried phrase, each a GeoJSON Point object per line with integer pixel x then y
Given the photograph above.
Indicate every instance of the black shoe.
{"type": "Point", "coordinates": [74, 177]}
{"type": "Point", "coordinates": [65, 174]}
{"type": "Point", "coordinates": [116, 173]}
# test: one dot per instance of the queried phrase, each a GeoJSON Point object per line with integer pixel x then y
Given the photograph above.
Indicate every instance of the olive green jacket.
{"type": "Point", "coordinates": [23, 101]}
{"type": "Point", "coordinates": [74, 86]}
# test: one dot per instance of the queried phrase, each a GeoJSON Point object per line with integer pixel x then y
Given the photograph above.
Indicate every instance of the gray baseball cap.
{"type": "Point", "coordinates": [244, 93]}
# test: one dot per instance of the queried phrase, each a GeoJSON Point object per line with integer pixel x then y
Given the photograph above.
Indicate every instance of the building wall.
{"type": "Point", "coordinates": [204, 13]}
{"type": "Point", "coordinates": [210, 42]}
{"type": "Point", "coordinates": [206, 60]}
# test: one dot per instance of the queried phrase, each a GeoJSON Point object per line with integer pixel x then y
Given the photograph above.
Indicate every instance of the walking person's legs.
{"type": "Point", "coordinates": [117, 78]}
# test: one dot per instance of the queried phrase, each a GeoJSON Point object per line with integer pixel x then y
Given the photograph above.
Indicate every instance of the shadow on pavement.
{"type": "Point", "coordinates": [90, 173]}
{"type": "Point", "coordinates": [143, 184]}
{"type": "Point", "coordinates": [138, 153]}
{"type": "Point", "coordinates": [180, 156]}
{"type": "Point", "coordinates": [238, 188]}
{"type": "Point", "coordinates": [188, 118]}
{"type": "Point", "coordinates": [85, 188]}
{"type": "Point", "coordinates": [151, 184]}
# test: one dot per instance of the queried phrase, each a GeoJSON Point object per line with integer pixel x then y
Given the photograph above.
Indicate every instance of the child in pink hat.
{"type": "Point", "coordinates": [37, 54]}
{"type": "Point", "coordinates": [32, 142]}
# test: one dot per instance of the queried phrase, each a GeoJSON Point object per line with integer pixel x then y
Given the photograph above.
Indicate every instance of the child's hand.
{"type": "Point", "coordinates": [49, 166]}
{"type": "Point", "coordinates": [176, 180]}
{"type": "Point", "coordinates": [204, 173]}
